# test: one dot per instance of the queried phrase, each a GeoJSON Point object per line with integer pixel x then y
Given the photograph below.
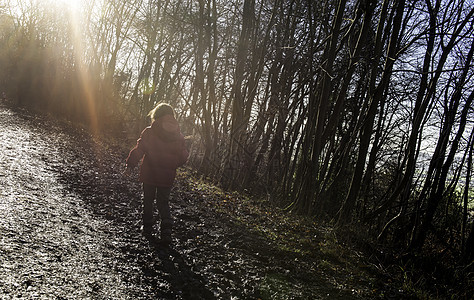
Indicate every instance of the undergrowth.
{"type": "Point", "coordinates": [344, 255]}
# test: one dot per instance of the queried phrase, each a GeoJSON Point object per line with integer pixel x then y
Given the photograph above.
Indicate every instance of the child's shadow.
{"type": "Point", "coordinates": [182, 278]}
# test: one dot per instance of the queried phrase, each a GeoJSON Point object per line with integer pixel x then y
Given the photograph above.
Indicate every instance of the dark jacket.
{"type": "Point", "coordinates": [162, 152]}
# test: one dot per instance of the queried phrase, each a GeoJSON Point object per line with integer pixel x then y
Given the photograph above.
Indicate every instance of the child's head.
{"type": "Point", "coordinates": [161, 110]}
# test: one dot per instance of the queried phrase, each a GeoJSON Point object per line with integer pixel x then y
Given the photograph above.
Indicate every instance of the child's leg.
{"type": "Point", "coordinates": [149, 194]}
{"type": "Point", "coordinates": [162, 202]}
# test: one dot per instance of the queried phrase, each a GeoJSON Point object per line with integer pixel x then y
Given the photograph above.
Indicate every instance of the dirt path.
{"type": "Point", "coordinates": [51, 245]}
{"type": "Point", "coordinates": [70, 230]}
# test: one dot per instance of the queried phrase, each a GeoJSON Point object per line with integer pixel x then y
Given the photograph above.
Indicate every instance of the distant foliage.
{"type": "Point", "coordinates": [44, 66]}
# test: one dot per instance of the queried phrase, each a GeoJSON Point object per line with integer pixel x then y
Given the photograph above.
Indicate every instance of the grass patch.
{"type": "Point", "coordinates": [278, 286]}
{"type": "Point", "coordinates": [318, 259]}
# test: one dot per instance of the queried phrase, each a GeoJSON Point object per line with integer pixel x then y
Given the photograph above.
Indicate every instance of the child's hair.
{"type": "Point", "coordinates": [161, 110]}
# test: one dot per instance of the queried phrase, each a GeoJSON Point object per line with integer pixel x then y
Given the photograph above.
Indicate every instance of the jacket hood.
{"type": "Point", "coordinates": [166, 127]}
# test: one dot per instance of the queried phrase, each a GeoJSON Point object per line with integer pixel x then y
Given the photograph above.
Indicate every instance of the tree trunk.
{"type": "Point", "coordinates": [366, 131]}
{"type": "Point", "coordinates": [466, 195]}
{"type": "Point", "coordinates": [307, 178]}
{"type": "Point", "coordinates": [239, 124]}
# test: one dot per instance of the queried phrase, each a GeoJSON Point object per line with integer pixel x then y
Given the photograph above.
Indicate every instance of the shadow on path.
{"type": "Point", "coordinates": [180, 275]}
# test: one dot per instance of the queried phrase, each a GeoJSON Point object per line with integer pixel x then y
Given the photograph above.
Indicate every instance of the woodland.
{"type": "Point", "coordinates": [354, 114]}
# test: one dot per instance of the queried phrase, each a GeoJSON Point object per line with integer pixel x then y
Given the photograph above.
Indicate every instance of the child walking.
{"type": "Point", "coordinates": [162, 148]}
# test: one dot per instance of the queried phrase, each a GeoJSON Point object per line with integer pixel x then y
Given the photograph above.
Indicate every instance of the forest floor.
{"type": "Point", "coordinates": [70, 229]}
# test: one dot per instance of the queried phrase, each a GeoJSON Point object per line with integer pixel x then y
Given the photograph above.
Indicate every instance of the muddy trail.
{"type": "Point", "coordinates": [70, 229]}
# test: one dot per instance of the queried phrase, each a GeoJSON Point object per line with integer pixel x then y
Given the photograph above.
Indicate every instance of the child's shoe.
{"type": "Point", "coordinates": [147, 230]}
{"type": "Point", "coordinates": [166, 229]}
{"type": "Point", "coordinates": [166, 237]}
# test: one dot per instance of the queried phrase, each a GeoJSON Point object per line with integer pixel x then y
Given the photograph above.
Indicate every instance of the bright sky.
{"type": "Point", "coordinates": [74, 5]}
{"type": "Point", "coordinates": [68, 6]}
